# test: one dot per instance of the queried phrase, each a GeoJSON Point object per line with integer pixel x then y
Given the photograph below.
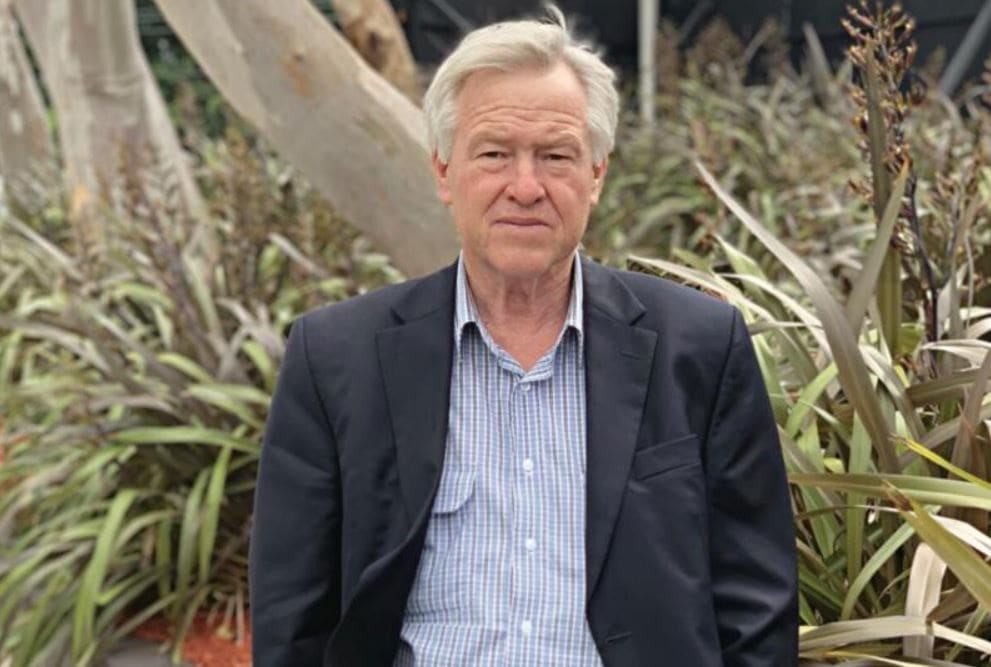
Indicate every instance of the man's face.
{"type": "Point", "coordinates": [520, 180]}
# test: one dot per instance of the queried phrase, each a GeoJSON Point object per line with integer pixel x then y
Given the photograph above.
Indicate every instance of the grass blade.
{"type": "Point", "coordinates": [928, 490]}
{"type": "Point", "coordinates": [867, 282]}
{"type": "Point", "coordinates": [970, 421]}
{"type": "Point", "coordinates": [970, 569]}
{"type": "Point", "coordinates": [84, 616]}
{"type": "Point", "coordinates": [211, 511]}
{"type": "Point", "coordinates": [889, 287]}
{"type": "Point", "coordinates": [924, 587]}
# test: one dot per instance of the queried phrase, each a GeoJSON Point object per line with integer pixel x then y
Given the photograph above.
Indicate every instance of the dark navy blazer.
{"type": "Point", "coordinates": [690, 547]}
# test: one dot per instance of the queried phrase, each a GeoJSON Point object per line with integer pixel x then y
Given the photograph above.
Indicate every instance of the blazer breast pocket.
{"type": "Point", "coordinates": [666, 456]}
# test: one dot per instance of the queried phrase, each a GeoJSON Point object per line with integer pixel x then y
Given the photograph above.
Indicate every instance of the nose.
{"type": "Point", "coordinates": [525, 188]}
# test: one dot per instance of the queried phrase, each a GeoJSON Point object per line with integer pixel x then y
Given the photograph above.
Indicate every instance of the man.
{"type": "Point", "coordinates": [526, 458]}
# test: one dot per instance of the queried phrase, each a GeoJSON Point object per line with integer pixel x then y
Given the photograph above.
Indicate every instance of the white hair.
{"type": "Point", "coordinates": [512, 45]}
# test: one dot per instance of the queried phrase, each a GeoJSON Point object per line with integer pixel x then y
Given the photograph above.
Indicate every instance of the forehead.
{"type": "Point", "coordinates": [550, 97]}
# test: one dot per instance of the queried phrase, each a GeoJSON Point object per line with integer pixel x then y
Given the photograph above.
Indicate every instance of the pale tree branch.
{"type": "Point", "coordinates": [27, 154]}
{"type": "Point", "coordinates": [107, 102]}
{"type": "Point", "coordinates": [361, 143]}
{"type": "Point", "coordinates": [374, 30]}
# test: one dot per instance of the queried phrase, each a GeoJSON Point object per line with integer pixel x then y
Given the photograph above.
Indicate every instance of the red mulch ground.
{"type": "Point", "coordinates": [205, 645]}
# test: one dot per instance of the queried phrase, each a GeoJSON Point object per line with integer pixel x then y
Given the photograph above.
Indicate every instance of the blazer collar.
{"type": "Point", "coordinates": [427, 295]}
{"type": "Point", "coordinates": [605, 292]}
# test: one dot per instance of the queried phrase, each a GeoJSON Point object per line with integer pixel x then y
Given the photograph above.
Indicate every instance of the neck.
{"type": "Point", "coordinates": [525, 302]}
{"type": "Point", "coordinates": [523, 315]}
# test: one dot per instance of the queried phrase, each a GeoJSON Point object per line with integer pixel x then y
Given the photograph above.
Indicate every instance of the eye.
{"type": "Point", "coordinates": [558, 157]}
{"type": "Point", "coordinates": [493, 155]}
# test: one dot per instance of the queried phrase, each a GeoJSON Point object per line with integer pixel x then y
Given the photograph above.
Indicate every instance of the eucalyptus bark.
{"type": "Point", "coordinates": [308, 92]}
{"type": "Point", "coordinates": [27, 154]}
{"type": "Point", "coordinates": [374, 30]}
{"type": "Point", "coordinates": [111, 115]}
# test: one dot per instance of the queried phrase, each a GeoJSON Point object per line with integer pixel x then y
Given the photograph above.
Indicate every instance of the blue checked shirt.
{"type": "Point", "coordinates": [502, 578]}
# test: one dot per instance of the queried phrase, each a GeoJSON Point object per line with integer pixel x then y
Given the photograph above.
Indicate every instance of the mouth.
{"type": "Point", "coordinates": [522, 222]}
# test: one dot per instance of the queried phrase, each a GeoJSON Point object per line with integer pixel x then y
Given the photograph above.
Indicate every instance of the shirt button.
{"type": "Point", "coordinates": [526, 628]}
{"type": "Point", "coordinates": [528, 465]}
{"type": "Point", "coordinates": [525, 386]}
{"type": "Point", "coordinates": [530, 544]}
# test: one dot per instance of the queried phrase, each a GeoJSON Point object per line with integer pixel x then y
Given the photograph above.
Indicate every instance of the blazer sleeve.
{"type": "Point", "coordinates": [294, 561]}
{"type": "Point", "coordinates": [753, 556]}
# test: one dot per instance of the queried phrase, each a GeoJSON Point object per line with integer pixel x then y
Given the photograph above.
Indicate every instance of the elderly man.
{"type": "Point", "coordinates": [526, 458]}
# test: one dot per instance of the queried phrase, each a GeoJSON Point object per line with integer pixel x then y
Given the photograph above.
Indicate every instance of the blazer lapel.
{"type": "Point", "coordinates": [618, 360]}
{"type": "Point", "coordinates": [415, 359]}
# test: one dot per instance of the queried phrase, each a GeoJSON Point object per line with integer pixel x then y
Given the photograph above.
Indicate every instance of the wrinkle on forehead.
{"type": "Point", "coordinates": [526, 103]}
{"type": "Point", "coordinates": [510, 113]}
{"type": "Point", "coordinates": [502, 118]}
{"type": "Point", "coordinates": [524, 127]}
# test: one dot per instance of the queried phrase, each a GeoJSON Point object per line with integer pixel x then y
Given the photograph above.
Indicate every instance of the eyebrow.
{"type": "Point", "coordinates": [553, 141]}
{"type": "Point", "coordinates": [487, 137]}
{"type": "Point", "coordinates": [559, 141]}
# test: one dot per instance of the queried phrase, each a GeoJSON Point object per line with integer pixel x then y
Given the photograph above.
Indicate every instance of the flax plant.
{"type": "Point", "coordinates": [134, 384]}
{"type": "Point", "coordinates": [865, 582]}
{"type": "Point", "coordinates": [883, 52]}
{"type": "Point", "coordinates": [887, 447]}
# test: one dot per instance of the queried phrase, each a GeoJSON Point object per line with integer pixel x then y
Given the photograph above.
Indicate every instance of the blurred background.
{"type": "Point", "coordinates": [180, 180]}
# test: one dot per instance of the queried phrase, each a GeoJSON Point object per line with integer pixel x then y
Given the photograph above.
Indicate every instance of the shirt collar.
{"type": "Point", "coordinates": [465, 311]}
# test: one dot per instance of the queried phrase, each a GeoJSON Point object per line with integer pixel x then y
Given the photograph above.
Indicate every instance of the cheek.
{"type": "Point", "coordinates": [471, 198]}
{"type": "Point", "coordinates": [478, 190]}
{"type": "Point", "coordinates": [574, 199]}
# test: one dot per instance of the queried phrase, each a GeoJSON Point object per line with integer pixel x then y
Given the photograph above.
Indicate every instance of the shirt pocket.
{"type": "Point", "coordinates": [666, 456]}
{"type": "Point", "coordinates": [438, 592]}
{"type": "Point", "coordinates": [449, 513]}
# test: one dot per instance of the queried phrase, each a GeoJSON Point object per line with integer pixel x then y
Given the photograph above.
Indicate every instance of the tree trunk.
{"type": "Point", "coordinates": [27, 155]}
{"type": "Point", "coordinates": [111, 113]}
{"type": "Point", "coordinates": [374, 30]}
{"type": "Point", "coordinates": [354, 136]}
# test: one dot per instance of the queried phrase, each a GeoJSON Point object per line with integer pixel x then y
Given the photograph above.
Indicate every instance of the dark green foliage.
{"type": "Point", "coordinates": [134, 382]}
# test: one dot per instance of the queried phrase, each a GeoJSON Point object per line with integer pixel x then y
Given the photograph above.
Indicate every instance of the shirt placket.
{"type": "Point", "coordinates": [531, 484]}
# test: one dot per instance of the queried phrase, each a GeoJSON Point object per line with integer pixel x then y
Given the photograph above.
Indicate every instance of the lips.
{"type": "Point", "coordinates": [522, 222]}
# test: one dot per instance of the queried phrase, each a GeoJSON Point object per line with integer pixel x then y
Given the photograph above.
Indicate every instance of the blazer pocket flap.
{"type": "Point", "coordinates": [456, 486]}
{"type": "Point", "coordinates": [665, 456]}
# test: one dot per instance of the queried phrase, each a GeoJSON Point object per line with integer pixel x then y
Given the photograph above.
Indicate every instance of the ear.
{"type": "Point", "coordinates": [598, 176]}
{"type": "Point", "coordinates": [440, 177]}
